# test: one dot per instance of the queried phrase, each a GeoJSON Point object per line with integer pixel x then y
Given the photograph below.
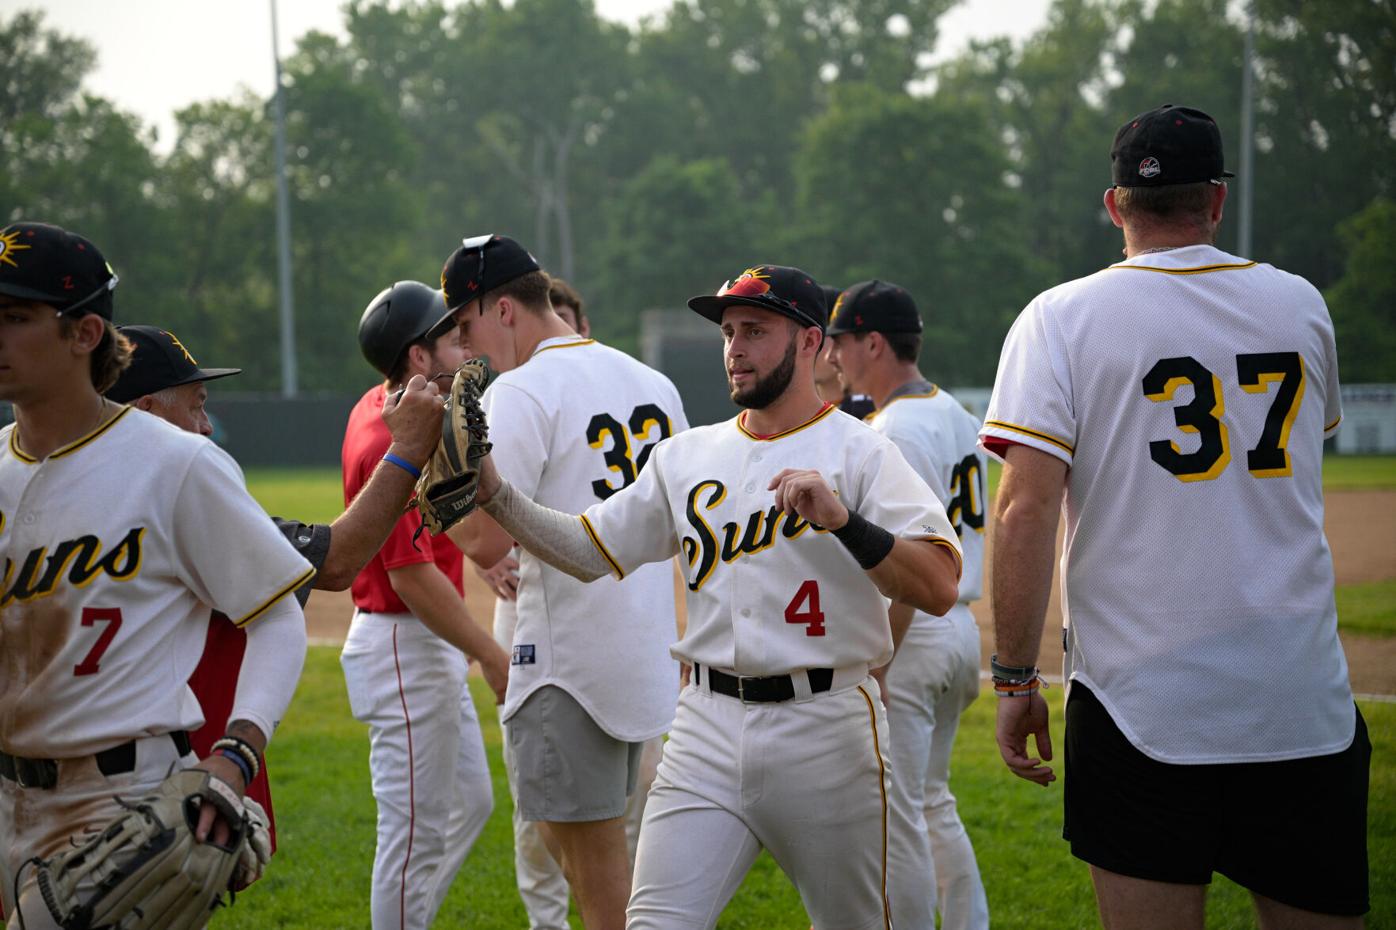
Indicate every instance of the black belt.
{"type": "Point", "coordinates": [43, 773]}
{"type": "Point", "coordinates": [762, 690]}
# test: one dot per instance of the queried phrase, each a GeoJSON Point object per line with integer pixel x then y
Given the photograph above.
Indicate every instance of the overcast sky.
{"type": "Point", "coordinates": [156, 56]}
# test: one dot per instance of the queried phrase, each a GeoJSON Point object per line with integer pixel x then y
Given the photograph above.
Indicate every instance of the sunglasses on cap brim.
{"type": "Point", "coordinates": [766, 296]}
{"type": "Point", "coordinates": [106, 287]}
{"type": "Point", "coordinates": [478, 243]}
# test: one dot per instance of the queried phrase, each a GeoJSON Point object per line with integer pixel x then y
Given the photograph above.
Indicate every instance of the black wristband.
{"type": "Point", "coordinates": [867, 542]}
{"type": "Point", "coordinates": [1011, 672]}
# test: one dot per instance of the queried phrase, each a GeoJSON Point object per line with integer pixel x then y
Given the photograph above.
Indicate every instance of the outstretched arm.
{"type": "Point", "coordinates": [557, 538]}
{"type": "Point", "coordinates": [413, 417]}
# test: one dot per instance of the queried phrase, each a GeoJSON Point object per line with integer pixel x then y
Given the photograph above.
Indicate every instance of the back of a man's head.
{"type": "Point", "coordinates": [1166, 165]}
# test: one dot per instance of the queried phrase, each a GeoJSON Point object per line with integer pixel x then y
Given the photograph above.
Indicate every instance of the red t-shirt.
{"type": "Point", "coordinates": [366, 439]}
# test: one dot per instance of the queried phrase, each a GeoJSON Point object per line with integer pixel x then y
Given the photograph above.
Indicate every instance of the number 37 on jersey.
{"type": "Point", "coordinates": [1279, 374]}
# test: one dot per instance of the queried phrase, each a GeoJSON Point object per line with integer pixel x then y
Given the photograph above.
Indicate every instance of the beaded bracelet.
{"type": "Point", "coordinates": [245, 751]}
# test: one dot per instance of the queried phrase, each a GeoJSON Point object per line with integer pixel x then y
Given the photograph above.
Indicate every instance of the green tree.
{"type": "Point", "coordinates": [674, 230]}
{"type": "Point", "coordinates": [912, 190]}
{"type": "Point", "coordinates": [354, 210]}
{"type": "Point", "coordinates": [216, 190]}
{"type": "Point", "coordinates": [1363, 301]}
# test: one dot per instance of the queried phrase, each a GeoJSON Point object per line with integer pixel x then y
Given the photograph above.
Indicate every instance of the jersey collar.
{"type": "Point", "coordinates": [71, 447]}
{"type": "Point", "coordinates": [562, 342]}
{"type": "Point", "coordinates": [741, 425]}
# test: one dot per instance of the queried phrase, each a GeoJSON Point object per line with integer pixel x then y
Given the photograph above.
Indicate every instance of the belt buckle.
{"type": "Point", "coordinates": [741, 689]}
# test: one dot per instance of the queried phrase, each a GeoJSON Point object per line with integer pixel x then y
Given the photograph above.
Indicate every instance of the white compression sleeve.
{"type": "Point", "coordinates": [555, 537]}
{"type": "Point", "coordinates": [271, 666]}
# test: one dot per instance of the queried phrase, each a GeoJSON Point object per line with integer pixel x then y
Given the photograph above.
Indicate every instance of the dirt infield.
{"type": "Point", "coordinates": [1361, 528]}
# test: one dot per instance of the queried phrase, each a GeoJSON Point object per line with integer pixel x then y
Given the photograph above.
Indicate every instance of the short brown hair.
{"type": "Point", "coordinates": [1170, 203]}
{"type": "Point", "coordinates": [530, 290]}
{"type": "Point", "coordinates": [562, 294]}
{"type": "Point", "coordinates": [906, 347]}
{"type": "Point", "coordinates": [109, 359]}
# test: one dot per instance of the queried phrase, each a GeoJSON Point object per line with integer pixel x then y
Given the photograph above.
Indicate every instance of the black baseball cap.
{"type": "Point", "coordinates": [778, 288]}
{"type": "Point", "coordinates": [831, 297]}
{"type": "Point", "coordinates": [875, 307]}
{"type": "Point", "coordinates": [46, 263]}
{"type": "Point", "coordinates": [481, 264]}
{"type": "Point", "coordinates": [159, 361]}
{"type": "Point", "coordinates": [1168, 145]}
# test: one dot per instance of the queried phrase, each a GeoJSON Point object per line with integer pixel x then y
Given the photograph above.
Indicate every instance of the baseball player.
{"type": "Point", "coordinates": [541, 883]}
{"type": "Point", "coordinates": [111, 570]}
{"type": "Point", "coordinates": [1181, 398]}
{"type": "Point", "coordinates": [410, 640]}
{"type": "Point", "coordinates": [779, 741]}
{"type": "Point", "coordinates": [875, 340]}
{"type": "Point", "coordinates": [578, 422]}
{"type": "Point", "coordinates": [163, 379]}
{"type": "Point", "coordinates": [826, 376]}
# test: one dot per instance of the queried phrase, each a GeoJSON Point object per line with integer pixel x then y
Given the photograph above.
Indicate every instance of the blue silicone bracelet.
{"type": "Point", "coordinates": [402, 463]}
{"type": "Point", "coordinates": [241, 763]}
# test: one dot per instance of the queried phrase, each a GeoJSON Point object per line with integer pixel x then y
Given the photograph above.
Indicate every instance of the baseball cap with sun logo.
{"type": "Point", "coordinates": [46, 263]}
{"type": "Point", "coordinates": [778, 288]}
{"type": "Point", "coordinates": [875, 307]}
{"type": "Point", "coordinates": [159, 361]}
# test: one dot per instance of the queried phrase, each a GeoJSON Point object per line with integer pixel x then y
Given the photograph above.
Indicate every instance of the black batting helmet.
{"type": "Point", "coordinates": [399, 316]}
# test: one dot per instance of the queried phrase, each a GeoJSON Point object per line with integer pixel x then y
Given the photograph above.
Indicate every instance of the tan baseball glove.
{"type": "Point", "coordinates": [146, 871]}
{"type": "Point", "coordinates": [446, 489]}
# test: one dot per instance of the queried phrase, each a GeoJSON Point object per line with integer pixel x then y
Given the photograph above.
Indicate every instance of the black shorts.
{"type": "Point", "coordinates": [1294, 831]}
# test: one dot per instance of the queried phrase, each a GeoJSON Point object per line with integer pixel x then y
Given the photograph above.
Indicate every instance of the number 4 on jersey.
{"type": "Point", "coordinates": [804, 608]}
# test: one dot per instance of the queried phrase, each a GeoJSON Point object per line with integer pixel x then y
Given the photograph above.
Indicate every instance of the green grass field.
{"type": "Point", "coordinates": [319, 879]}
{"type": "Point", "coordinates": [1368, 609]}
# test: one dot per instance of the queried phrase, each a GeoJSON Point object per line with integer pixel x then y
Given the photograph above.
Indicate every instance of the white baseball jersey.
{"type": "Point", "coordinates": [571, 426]}
{"type": "Point", "coordinates": [940, 439]}
{"type": "Point", "coordinates": [769, 593]}
{"type": "Point", "coordinates": [1190, 391]}
{"type": "Point", "coordinates": [116, 546]}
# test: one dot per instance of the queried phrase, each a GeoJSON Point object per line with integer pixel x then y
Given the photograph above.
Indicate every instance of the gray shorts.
{"type": "Point", "coordinates": [566, 768]}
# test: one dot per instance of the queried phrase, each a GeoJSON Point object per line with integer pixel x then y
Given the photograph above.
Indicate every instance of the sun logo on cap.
{"type": "Point", "coordinates": [838, 305]}
{"type": "Point", "coordinates": [174, 340]}
{"type": "Point", "coordinates": [9, 244]}
{"type": "Point", "coordinates": [750, 283]}
{"type": "Point", "coordinates": [1149, 167]}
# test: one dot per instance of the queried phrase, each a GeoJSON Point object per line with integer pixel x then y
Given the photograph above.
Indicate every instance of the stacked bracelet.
{"type": "Point", "coordinates": [1014, 680]}
{"type": "Point", "coordinates": [236, 758]}
{"type": "Point", "coordinates": [246, 755]}
{"type": "Point", "coordinates": [1018, 688]}
{"type": "Point", "coordinates": [1011, 672]}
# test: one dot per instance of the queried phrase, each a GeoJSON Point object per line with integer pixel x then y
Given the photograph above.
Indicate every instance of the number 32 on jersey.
{"type": "Point", "coordinates": [1202, 415]}
{"type": "Point", "coordinates": [620, 457]}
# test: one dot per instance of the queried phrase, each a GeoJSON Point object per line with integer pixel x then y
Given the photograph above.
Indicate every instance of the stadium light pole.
{"type": "Point", "coordinates": [1247, 169]}
{"type": "Point", "coordinates": [283, 226]}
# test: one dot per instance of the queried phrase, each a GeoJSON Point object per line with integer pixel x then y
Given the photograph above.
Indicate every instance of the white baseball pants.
{"type": "Point", "coordinates": [802, 778]}
{"type": "Point", "coordinates": [427, 759]}
{"type": "Point", "coordinates": [934, 677]}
